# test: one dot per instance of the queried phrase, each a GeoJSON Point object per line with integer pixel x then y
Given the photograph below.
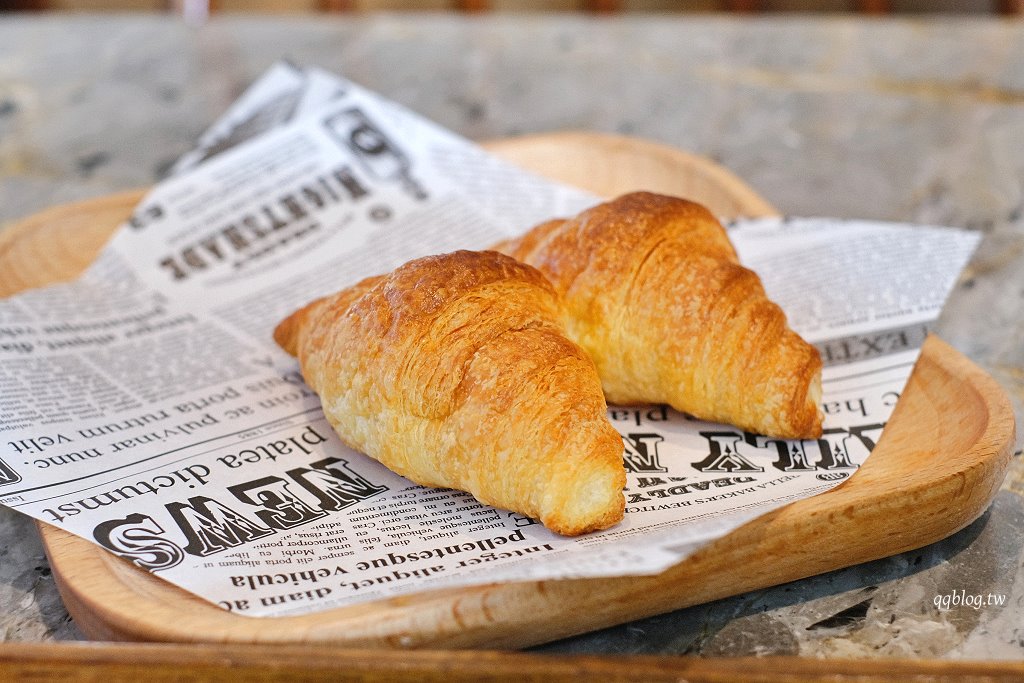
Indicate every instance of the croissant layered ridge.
{"type": "Point", "coordinates": [655, 293]}
{"type": "Point", "coordinates": [454, 371]}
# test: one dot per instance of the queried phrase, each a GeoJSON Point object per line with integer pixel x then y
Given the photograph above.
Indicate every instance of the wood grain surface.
{"type": "Point", "coordinates": [936, 468]}
{"type": "Point", "coordinates": [161, 663]}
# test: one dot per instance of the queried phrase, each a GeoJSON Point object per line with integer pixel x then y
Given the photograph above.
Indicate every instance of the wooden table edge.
{"type": "Point", "coordinates": [113, 663]}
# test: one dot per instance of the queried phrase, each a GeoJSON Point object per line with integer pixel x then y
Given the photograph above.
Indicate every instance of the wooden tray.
{"type": "Point", "coordinates": [936, 469]}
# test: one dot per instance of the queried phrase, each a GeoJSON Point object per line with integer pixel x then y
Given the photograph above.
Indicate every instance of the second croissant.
{"type": "Point", "coordinates": [657, 297]}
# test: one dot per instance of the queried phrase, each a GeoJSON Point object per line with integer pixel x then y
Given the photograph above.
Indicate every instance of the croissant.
{"type": "Point", "coordinates": [655, 294]}
{"type": "Point", "coordinates": [454, 372]}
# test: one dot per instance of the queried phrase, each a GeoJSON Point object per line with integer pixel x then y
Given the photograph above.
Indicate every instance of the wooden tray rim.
{"type": "Point", "coordinates": [480, 615]}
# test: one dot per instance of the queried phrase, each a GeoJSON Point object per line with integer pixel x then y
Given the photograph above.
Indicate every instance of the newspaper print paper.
{"type": "Point", "coordinates": [145, 407]}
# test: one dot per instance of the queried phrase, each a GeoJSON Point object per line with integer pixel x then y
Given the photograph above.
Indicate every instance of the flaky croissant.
{"type": "Point", "coordinates": [655, 294]}
{"type": "Point", "coordinates": [454, 371]}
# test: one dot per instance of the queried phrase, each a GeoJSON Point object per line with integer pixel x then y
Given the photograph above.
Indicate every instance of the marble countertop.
{"type": "Point", "coordinates": [911, 120]}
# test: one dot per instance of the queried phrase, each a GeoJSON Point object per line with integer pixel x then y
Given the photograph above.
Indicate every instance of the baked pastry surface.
{"type": "Point", "coordinates": [454, 371]}
{"type": "Point", "coordinates": [655, 294]}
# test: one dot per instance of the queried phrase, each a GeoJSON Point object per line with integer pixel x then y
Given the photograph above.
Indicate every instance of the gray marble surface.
{"type": "Point", "coordinates": [917, 120]}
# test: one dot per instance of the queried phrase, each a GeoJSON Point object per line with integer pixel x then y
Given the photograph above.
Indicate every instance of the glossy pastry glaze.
{"type": "Point", "coordinates": [655, 294]}
{"type": "Point", "coordinates": [454, 371]}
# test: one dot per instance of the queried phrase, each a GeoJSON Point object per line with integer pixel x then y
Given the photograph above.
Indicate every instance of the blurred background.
{"type": "Point", "coordinates": [597, 6]}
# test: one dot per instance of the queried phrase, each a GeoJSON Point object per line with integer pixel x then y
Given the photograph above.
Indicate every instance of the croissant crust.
{"type": "Point", "coordinates": [655, 294]}
{"type": "Point", "coordinates": [454, 371]}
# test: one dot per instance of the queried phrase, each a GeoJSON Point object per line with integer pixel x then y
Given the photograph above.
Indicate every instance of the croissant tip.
{"type": "Point", "coordinates": [587, 499]}
{"type": "Point", "coordinates": [287, 332]}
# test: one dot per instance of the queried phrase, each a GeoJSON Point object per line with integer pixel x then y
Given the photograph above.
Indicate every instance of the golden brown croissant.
{"type": "Point", "coordinates": [655, 294]}
{"type": "Point", "coordinates": [454, 371]}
